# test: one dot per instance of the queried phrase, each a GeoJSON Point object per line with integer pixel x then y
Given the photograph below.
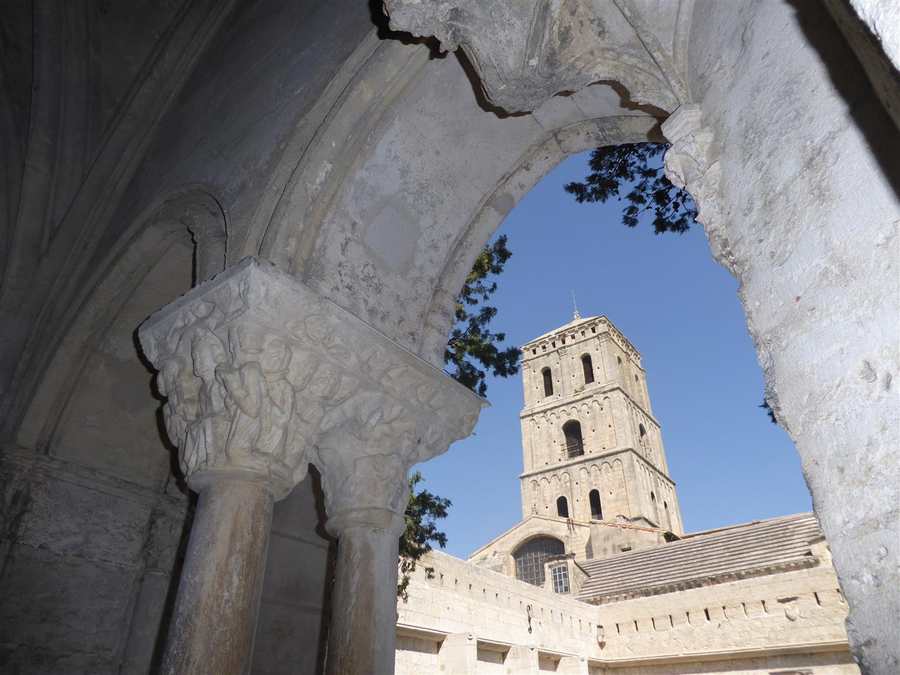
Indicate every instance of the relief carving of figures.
{"type": "Point", "coordinates": [206, 431]}
{"type": "Point", "coordinates": [258, 372]}
{"type": "Point", "coordinates": [259, 398]}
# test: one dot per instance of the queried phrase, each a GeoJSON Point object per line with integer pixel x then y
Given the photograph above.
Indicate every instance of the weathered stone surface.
{"type": "Point", "coordinates": [526, 52]}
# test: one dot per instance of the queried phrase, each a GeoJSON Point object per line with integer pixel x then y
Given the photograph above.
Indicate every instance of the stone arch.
{"type": "Point", "coordinates": [181, 239]}
{"type": "Point", "coordinates": [330, 205]}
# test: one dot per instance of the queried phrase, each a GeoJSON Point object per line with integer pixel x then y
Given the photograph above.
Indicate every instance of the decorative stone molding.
{"type": "Point", "coordinates": [254, 365]}
{"type": "Point", "coordinates": [692, 163]}
{"type": "Point", "coordinates": [526, 51]}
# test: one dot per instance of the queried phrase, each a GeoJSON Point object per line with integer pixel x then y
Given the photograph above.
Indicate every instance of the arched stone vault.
{"type": "Point", "coordinates": [763, 138]}
{"type": "Point", "coordinates": [373, 171]}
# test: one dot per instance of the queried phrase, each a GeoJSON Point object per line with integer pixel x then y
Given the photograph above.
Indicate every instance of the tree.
{"type": "Point", "coordinates": [473, 348]}
{"type": "Point", "coordinates": [423, 511]}
{"type": "Point", "coordinates": [637, 168]}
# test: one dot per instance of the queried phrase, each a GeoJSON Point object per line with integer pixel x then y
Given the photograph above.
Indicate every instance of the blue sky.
{"type": "Point", "coordinates": [681, 310]}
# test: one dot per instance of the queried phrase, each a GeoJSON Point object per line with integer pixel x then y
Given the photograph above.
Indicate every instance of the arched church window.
{"type": "Point", "coordinates": [644, 440]}
{"type": "Point", "coordinates": [548, 382]}
{"type": "Point", "coordinates": [574, 442]}
{"type": "Point", "coordinates": [596, 506]}
{"type": "Point", "coordinates": [562, 507]}
{"type": "Point", "coordinates": [531, 556]}
{"type": "Point", "coordinates": [588, 366]}
{"type": "Point", "coordinates": [655, 509]}
{"type": "Point", "coordinates": [668, 516]}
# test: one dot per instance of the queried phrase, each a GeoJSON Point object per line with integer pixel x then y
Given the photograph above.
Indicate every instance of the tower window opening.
{"type": "Point", "coordinates": [548, 382]}
{"type": "Point", "coordinates": [574, 442]}
{"type": "Point", "coordinates": [596, 506]}
{"type": "Point", "coordinates": [559, 574]}
{"type": "Point", "coordinates": [562, 507]}
{"type": "Point", "coordinates": [588, 366]}
{"type": "Point", "coordinates": [531, 556]}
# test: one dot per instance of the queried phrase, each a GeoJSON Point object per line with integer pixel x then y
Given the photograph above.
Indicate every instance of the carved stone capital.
{"type": "Point", "coordinates": [255, 367]}
{"type": "Point", "coordinates": [406, 413]}
{"type": "Point", "coordinates": [526, 51]}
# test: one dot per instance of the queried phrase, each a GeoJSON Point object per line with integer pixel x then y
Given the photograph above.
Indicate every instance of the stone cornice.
{"type": "Point", "coordinates": [605, 328]}
{"type": "Point", "coordinates": [803, 648]}
{"type": "Point", "coordinates": [584, 459]}
{"type": "Point", "coordinates": [587, 393]}
{"type": "Point", "coordinates": [262, 376]}
{"type": "Point", "coordinates": [711, 580]}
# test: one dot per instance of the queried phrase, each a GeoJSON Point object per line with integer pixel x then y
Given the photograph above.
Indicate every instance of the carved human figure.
{"type": "Point", "coordinates": [278, 402]}
{"type": "Point", "coordinates": [244, 385]}
{"type": "Point", "coordinates": [176, 411]}
{"type": "Point", "coordinates": [204, 434]}
{"type": "Point", "coordinates": [259, 397]}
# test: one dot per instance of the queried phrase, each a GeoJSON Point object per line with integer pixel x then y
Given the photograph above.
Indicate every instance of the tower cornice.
{"type": "Point", "coordinates": [602, 324]}
{"type": "Point", "coordinates": [604, 388]}
{"type": "Point", "coordinates": [585, 459]}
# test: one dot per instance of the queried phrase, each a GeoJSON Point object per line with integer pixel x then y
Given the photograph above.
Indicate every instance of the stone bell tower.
{"type": "Point", "coordinates": [592, 449]}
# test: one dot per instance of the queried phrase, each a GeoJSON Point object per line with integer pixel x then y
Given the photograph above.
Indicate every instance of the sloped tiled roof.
{"type": "Point", "coordinates": [713, 556]}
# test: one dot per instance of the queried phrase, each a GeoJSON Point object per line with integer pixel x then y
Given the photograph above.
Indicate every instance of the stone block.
{"type": "Point", "coordinates": [71, 519]}
{"type": "Point", "coordinates": [287, 639]}
{"type": "Point", "coordinates": [64, 604]}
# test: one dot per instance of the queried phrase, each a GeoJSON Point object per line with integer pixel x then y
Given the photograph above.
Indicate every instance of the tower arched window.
{"type": "Point", "coordinates": [668, 516]}
{"type": "Point", "coordinates": [655, 510]}
{"type": "Point", "coordinates": [574, 442]}
{"type": "Point", "coordinates": [531, 556]}
{"type": "Point", "coordinates": [562, 507]}
{"type": "Point", "coordinates": [643, 439]}
{"type": "Point", "coordinates": [596, 506]}
{"type": "Point", "coordinates": [548, 382]}
{"type": "Point", "coordinates": [588, 367]}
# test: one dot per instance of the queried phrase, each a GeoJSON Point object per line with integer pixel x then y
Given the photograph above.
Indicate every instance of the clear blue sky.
{"type": "Point", "coordinates": [681, 310]}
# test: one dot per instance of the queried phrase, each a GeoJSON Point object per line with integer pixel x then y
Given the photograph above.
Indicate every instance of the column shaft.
{"type": "Point", "coordinates": [219, 592]}
{"type": "Point", "coordinates": [363, 631]}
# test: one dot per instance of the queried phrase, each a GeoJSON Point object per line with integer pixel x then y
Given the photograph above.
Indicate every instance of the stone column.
{"type": "Point", "coordinates": [401, 411]}
{"type": "Point", "coordinates": [522, 660]}
{"type": "Point", "coordinates": [257, 371]}
{"type": "Point", "coordinates": [573, 665]}
{"type": "Point", "coordinates": [253, 365]}
{"type": "Point", "coordinates": [219, 591]}
{"type": "Point", "coordinates": [459, 654]}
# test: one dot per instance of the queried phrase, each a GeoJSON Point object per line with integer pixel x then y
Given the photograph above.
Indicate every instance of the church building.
{"type": "Point", "coordinates": [600, 576]}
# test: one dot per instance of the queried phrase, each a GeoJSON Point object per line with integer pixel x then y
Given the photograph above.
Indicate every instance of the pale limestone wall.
{"type": "Point", "coordinates": [416, 655]}
{"type": "Point", "coordinates": [802, 607]}
{"type": "Point", "coordinates": [464, 598]}
{"type": "Point", "coordinates": [464, 615]}
{"type": "Point", "coordinates": [829, 663]}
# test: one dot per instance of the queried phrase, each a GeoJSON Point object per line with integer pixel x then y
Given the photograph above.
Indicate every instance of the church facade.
{"type": "Point", "coordinates": [600, 576]}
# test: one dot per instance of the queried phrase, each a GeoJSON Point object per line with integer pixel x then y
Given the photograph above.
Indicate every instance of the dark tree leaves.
{"type": "Point", "coordinates": [474, 349]}
{"type": "Point", "coordinates": [634, 172]}
{"type": "Point", "coordinates": [423, 511]}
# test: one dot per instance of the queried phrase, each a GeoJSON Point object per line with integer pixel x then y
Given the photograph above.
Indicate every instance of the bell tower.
{"type": "Point", "coordinates": [592, 450]}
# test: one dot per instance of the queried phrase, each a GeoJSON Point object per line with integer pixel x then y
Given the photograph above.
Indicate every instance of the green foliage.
{"type": "Point", "coordinates": [423, 511]}
{"type": "Point", "coordinates": [473, 348]}
{"type": "Point", "coordinates": [771, 413]}
{"type": "Point", "coordinates": [636, 170]}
